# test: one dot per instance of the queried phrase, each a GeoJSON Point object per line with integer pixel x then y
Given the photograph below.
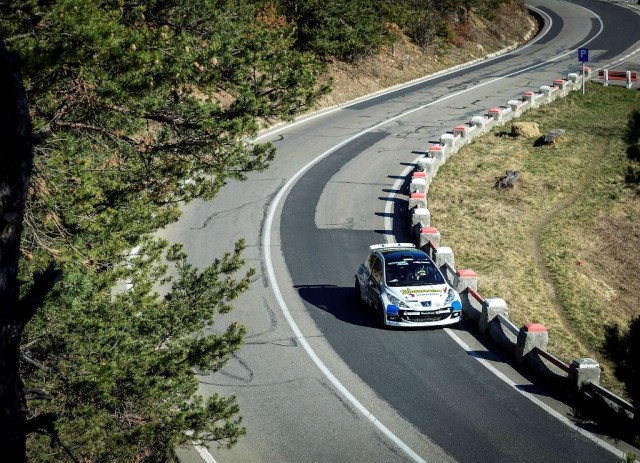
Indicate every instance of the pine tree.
{"type": "Point", "coordinates": [136, 107]}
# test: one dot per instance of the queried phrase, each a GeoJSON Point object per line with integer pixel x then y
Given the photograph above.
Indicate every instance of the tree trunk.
{"type": "Point", "coordinates": [16, 157]}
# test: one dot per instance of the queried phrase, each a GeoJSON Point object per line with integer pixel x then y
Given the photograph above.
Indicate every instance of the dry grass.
{"type": "Point", "coordinates": [561, 247]}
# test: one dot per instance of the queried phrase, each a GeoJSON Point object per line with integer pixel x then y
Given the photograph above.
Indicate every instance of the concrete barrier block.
{"type": "Point", "coordinates": [420, 217]}
{"type": "Point", "coordinates": [434, 151]}
{"type": "Point", "coordinates": [421, 174]}
{"type": "Point", "coordinates": [530, 98]}
{"type": "Point", "coordinates": [563, 87]}
{"type": "Point", "coordinates": [417, 200]}
{"type": "Point", "coordinates": [491, 308]}
{"type": "Point", "coordinates": [418, 185]}
{"type": "Point", "coordinates": [444, 255]}
{"type": "Point", "coordinates": [465, 278]}
{"type": "Point", "coordinates": [514, 105]}
{"type": "Point", "coordinates": [429, 234]}
{"type": "Point", "coordinates": [479, 121]}
{"type": "Point", "coordinates": [495, 114]}
{"type": "Point", "coordinates": [461, 130]}
{"type": "Point", "coordinates": [546, 94]}
{"type": "Point", "coordinates": [428, 165]}
{"type": "Point", "coordinates": [530, 336]}
{"type": "Point", "coordinates": [447, 139]}
{"type": "Point", "coordinates": [572, 76]}
{"type": "Point", "coordinates": [584, 371]}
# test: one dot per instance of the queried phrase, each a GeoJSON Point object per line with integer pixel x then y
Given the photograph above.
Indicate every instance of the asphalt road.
{"type": "Point", "coordinates": [316, 381]}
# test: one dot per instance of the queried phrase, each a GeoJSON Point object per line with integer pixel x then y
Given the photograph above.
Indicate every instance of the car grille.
{"type": "Point", "coordinates": [424, 317]}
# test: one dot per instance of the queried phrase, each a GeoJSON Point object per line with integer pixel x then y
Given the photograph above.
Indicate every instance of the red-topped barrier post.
{"type": "Point", "coordinates": [466, 278]}
{"type": "Point", "coordinates": [530, 336]}
{"type": "Point", "coordinates": [427, 235]}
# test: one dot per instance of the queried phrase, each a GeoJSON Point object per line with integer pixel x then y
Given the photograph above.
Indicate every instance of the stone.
{"type": "Point", "coordinates": [525, 129]}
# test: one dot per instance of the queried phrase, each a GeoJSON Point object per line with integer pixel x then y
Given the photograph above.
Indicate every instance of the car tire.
{"type": "Point", "coordinates": [358, 294]}
{"type": "Point", "coordinates": [380, 317]}
{"type": "Point", "coordinates": [357, 291]}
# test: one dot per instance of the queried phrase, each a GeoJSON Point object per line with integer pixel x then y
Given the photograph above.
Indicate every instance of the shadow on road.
{"type": "Point", "coordinates": [339, 301]}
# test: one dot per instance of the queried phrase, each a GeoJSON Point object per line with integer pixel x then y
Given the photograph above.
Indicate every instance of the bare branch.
{"type": "Point", "coordinates": [37, 394]}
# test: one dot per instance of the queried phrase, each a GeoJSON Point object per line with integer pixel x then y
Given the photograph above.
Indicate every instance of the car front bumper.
{"type": "Point", "coordinates": [412, 318]}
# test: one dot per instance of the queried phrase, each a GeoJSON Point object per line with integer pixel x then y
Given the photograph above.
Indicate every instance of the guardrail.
{"type": "Point", "coordinates": [618, 402]}
{"type": "Point", "coordinates": [552, 359]}
{"type": "Point", "coordinates": [614, 77]}
{"type": "Point", "coordinates": [504, 321]}
{"type": "Point", "coordinates": [527, 343]}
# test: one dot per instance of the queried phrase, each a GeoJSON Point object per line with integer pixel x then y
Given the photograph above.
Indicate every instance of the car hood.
{"type": "Point", "coordinates": [415, 295]}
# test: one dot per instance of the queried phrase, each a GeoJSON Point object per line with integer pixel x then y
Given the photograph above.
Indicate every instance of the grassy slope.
{"type": "Point", "coordinates": [561, 247]}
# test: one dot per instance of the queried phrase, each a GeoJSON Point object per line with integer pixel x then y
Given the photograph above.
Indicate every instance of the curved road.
{"type": "Point", "coordinates": [334, 189]}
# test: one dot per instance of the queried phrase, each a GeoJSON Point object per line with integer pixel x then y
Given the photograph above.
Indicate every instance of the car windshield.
{"type": "Point", "coordinates": [409, 271]}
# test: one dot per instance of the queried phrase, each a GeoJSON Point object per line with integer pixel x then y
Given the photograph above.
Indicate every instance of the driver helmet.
{"type": "Point", "coordinates": [421, 272]}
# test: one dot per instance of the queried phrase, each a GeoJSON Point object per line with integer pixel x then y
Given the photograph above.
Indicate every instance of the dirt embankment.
{"type": "Point", "coordinates": [475, 38]}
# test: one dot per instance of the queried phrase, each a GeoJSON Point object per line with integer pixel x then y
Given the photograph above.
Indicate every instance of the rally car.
{"type": "Point", "coordinates": [405, 288]}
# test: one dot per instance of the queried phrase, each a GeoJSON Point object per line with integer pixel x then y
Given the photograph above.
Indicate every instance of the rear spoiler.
{"type": "Point", "coordinates": [374, 247]}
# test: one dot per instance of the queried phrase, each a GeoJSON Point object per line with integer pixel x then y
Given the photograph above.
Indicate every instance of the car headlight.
{"type": "Point", "coordinates": [397, 302]}
{"type": "Point", "coordinates": [452, 300]}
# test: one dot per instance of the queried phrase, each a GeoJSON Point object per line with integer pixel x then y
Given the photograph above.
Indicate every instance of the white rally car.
{"type": "Point", "coordinates": [405, 288]}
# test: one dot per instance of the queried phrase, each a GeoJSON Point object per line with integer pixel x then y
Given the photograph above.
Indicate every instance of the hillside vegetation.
{"type": "Point", "coordinates": [135, 108]}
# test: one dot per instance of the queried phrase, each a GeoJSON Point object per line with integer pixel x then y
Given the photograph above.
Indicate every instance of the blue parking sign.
{"type": "Point", "coordinates": [583, 55]}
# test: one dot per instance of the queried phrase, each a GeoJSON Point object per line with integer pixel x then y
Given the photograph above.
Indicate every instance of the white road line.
{"type": "Point", "coordinates": [624, 59]}
{"type": "Point", "coordinates": [535, 400]}
{"type": "Point", "coordinates": [205, 454]}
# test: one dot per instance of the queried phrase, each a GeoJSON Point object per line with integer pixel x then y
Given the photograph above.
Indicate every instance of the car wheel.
{"type": "Point", "coordinates": [380, 316]}
{"type": "Point", "coordinates": [358, 293]}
